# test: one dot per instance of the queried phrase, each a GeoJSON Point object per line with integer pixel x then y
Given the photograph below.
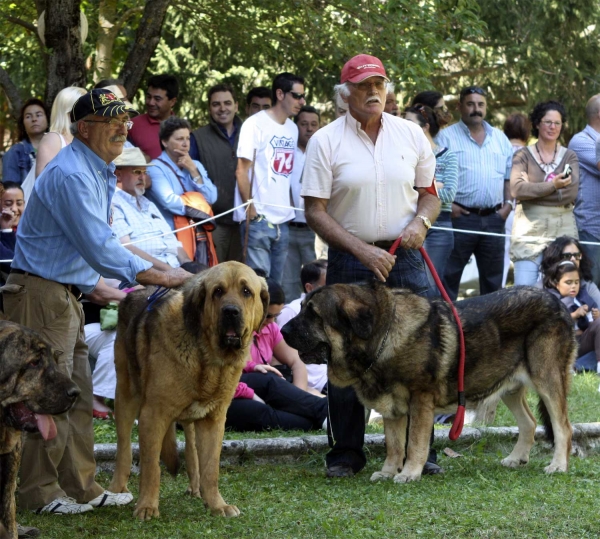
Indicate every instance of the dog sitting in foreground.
{"type": "Point", "coordinates": [400, 352]}
{"type": "Point", "coordinates": [31, 388]}
{"type": "Point", "coordinates": [180, 359]}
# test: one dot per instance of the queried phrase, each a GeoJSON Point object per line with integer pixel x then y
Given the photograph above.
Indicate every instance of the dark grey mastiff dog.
{"type": "Point", "coordinates": [400, 353]}
{"type": "Point", "coordinates": [31, 386]}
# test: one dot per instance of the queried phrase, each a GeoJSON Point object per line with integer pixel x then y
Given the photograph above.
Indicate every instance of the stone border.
{"type": "Point", "coordinates": [584, 435]}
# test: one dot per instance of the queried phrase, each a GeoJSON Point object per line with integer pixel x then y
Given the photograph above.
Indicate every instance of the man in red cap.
{"type": "Point", "coordinates": [368, 179]}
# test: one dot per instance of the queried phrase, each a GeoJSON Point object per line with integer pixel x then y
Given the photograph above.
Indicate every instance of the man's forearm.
{"type": "Point", "coordinates": [428, 205]}
{"type": "Point", "coordinates": [157, 264]}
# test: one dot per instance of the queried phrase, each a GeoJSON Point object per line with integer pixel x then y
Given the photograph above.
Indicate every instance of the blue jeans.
{"type": "Point", "coordinates": [527, 271]}
{"type": "Point", "coordinates": [301, 251]}
{"type": "Point", "coordinates": [267, 246]}
{"type": "Point", "coordinates": [439, 244]}
{"type": "Point", "coordinates": [488, 251]}
{"type": "Point", "coordinates": [593, 253]}
{"type": "Point", "coordinates": [346, 425]}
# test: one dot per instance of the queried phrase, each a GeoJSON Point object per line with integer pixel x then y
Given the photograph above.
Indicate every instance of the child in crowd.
{"type": "Point", "coordinates": [564, 281]}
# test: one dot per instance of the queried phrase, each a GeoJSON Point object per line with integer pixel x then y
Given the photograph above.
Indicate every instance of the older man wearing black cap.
{"type": "Point", "coordinates": [368, 179]}
{"type": "Point", "coordinates": [64, 244]}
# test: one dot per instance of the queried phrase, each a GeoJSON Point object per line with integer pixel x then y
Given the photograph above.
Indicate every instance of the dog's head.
{"type": "Point", "coordinates": [31, 385]}
{"type": "Point", "coordinates": [230, 301]}
{"type": "Point", "coordinates": [335, 326]}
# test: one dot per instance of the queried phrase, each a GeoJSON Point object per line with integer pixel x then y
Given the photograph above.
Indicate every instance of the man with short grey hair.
{"type": "Point", "coordinates": [64, 244]}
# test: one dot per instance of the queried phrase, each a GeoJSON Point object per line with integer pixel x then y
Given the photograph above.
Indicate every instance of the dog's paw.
{"type": "Point", "coordinates": [226, 511]}
{"type": "Point", "coordinates": [145, 512]}
{"type": "Point", "coordinates": [554, 468]}
{"type": "Point", "coordinates": [511, 462]}
{"type": "Point", "coordinates": [382, 476]}
{"type": "Point", "coordinates": [405, 477]}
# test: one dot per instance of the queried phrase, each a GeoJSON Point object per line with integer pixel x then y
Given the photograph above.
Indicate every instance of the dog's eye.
{"type": "Point", "coordinates": [34, 364]}
{"type": "Point", "coordinates": [246, 291]}
{"type": "Point", "coordinates": [218, 292]}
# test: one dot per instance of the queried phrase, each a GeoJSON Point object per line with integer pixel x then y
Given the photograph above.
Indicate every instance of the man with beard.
{"type": "Point", "coordinates": [64, 244]}
{"type": "Point", "coordinates": [368, 179]}
{"type": "Point", "coordinates": [482, 202]}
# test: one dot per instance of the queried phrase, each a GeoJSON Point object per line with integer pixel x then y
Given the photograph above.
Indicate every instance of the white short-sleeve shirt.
{"type": "Point", "coordinates": [275, 145]}
{"type": "Point", "coordinates": [370, 187]}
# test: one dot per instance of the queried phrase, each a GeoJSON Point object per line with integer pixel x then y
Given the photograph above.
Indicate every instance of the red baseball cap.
{"type": "Point", "coordinates": [362, 67]}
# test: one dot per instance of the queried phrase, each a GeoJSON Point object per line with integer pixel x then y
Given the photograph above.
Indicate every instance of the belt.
{"type": "Point", "coordinates": [70, 287]}
{"type": "Point", "coordinates": [480, 211]}
{"type": "Point", "coordinates": [298, 225]}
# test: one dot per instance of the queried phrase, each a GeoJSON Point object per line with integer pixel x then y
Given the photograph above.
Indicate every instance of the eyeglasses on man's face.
{"type": "Point", "coordinates": [113, 122]}
{"type": "Point", "coordinates": [568, 256]}
{"type": "Point", "coordinates": [297, 96]}
{"type": "Point", "coordinates": [366, 85]}
{"type": "Point", "coordinates": [138, 171]}
{"type": "Point", "coordinates": [550, 123]}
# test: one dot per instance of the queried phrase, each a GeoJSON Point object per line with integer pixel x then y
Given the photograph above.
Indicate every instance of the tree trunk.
{"type": "Point", "coordinates": [12, 93]}
{"type": "Point", "coordinates": [66, 64]}
{"type": "Point", "coordinates": [107, 13]}
{"type": "Point", "coordinates": [146, 40]}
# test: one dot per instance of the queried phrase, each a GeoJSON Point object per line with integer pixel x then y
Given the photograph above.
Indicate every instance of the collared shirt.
{"type": "Point", "coordinates": [166, 191]}
{"type": "Point", "coordinates": [370, 187]}
{"type": "Point", "coordinates": [144, 135]}
{"type": "Point", "coordinates": [144, 222]}
{"type": "Point", "coordinates": [17, 162]}
{"type": "Point", "coordinates": [587, 203]}
{"type": "Point", "coordinates": [296, 185]}
{"type": "Point", "coordinates": [482, 170]}
{"type": "Point", "coordinates": [64, 234]}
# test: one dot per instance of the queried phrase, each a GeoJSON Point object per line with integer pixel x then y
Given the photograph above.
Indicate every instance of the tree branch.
{"type": "Point", "coordinates": [124, 18]}
{"type": "Point", "coordinates": [28, 26]}
{"type": "Point", "coordinates": [12, 92]}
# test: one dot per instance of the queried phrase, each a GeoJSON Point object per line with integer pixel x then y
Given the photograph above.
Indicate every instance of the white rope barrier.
{"type": "Point", "coordinates": [250, 201]}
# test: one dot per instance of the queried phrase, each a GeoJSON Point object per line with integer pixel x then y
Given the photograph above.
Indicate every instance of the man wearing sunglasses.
{"type": "Point", "coordinates": [64, 244]}
{"type": "Point", "coordinates": [483, 201]}
{"type": "Point", "coordinates": [266, 148]}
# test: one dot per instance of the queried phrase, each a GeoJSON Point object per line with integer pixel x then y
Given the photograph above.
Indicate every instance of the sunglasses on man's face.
{"type": "Point", "coordinates": [568, 256]}
{"type": "Point", "coordinates": [297, 96]}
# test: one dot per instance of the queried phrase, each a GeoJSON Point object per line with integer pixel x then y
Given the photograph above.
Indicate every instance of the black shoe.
{"type": "Point", "coordinates": [431, 468]}
{"type": "Point", "coordinates": [340, 470]}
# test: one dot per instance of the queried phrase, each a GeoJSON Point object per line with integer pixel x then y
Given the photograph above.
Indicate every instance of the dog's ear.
{"type": "Point", "coordinates": [194, 297]}
{"type": "Point", "coordinates": [264, 298]}
{"type": "Point", "coordinates": [358, 317]}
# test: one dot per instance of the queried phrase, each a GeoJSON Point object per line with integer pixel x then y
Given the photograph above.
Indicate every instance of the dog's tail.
{"type": "Point", "coordinates": [546, 422]}
{"type": "Point", "coordinates": [168, 453]}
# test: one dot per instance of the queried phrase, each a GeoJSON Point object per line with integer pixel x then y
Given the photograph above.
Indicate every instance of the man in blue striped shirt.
{"type": "Point", "coordinates": [64, 244]}
{"type": "Point", "coordinates": [482, 202]}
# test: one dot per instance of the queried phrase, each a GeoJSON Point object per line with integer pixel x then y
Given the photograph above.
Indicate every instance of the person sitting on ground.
{"type": "Point", "coordinates": [312, 276]}
{"type": "Point", "coordinates": [563, 281]}
{"type": "Point", "coordinates": [264, 399]}
{"type": "Point", "coordinates": [31, 126]}
{"type": "Point", "coordinates": [9, 219]}
{"type": "Point", "coordinates": [13, 202]}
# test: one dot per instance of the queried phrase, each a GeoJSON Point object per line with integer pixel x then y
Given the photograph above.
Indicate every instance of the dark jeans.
{"type": "Point", "coordinates": [593, 253]}
{"type": "Point", "coordinates": [438, 245]}
{"type": "Point", "coordinates": [346, 425]}
{"type": "Point", "coordinates": [488, 251]}
{"type": "Point", "coordinates": [286, 406]}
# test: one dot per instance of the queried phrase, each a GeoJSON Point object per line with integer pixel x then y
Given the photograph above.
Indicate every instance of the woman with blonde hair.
{"type": "Point", "coordinates": [59, 135]}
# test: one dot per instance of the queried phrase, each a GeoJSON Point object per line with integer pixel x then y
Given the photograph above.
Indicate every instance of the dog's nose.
{"type": "Point", "coordinates": [73, 392]}
{"type": "Point", "coordinates": [231, 310]}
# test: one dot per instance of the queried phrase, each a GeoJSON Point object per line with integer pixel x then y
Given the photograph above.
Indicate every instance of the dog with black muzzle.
{"type": "Point", "coordinates": [180, 359]}
{"type": "Point", "coordinates": [400, 353]}
{"type": "Point", "coordinates": [32, 389]}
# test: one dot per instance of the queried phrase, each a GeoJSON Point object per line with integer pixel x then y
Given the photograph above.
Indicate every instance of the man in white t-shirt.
{"type": "Point", "coordinates": [265, 153]}
{"type": "Point", "coordinates": [301, 249]}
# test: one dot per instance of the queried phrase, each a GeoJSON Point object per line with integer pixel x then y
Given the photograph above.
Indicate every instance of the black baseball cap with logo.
{"type": "Point", "coordinates": [100, 102]}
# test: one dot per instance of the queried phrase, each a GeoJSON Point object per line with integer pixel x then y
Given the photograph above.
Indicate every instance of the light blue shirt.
{"type": "Point", "coordinates": [587, 204]}
{"type": "Point", "coordinates": [166, 188]}
{"type": "Point", "coordinates": [64, 235]}
{"type": "Point", "coordinates": [482, 170]}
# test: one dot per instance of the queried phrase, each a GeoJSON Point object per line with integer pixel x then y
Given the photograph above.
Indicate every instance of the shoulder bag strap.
{"type": "Point", "coordinates": [173, 170]}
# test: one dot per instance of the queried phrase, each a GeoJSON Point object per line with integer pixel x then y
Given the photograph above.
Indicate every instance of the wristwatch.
{"type": "Point", "coordinates": [511, 202]}
{"type": "Point", "coordinates": [425, 220]}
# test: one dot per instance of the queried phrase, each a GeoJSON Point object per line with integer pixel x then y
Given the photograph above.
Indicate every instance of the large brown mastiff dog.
{"type": "Point", "coordinates": [400, 353]}
{"type": "Point", "coordinates": [181, 360]}
{"type": "Point", "coordinates": [31, 386]}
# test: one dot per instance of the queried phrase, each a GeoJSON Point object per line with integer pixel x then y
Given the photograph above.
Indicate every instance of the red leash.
{"type": "Point", "coordinates": [459, 418]}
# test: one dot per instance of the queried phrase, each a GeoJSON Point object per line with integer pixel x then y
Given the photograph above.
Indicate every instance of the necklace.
{"type": "Point", "coordinates": [553, 155]}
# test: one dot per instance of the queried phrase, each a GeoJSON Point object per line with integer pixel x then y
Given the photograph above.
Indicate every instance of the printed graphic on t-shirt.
{"type": "Point", "coordinates": [283, 155]}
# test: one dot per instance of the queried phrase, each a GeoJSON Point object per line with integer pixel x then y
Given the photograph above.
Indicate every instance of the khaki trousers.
{"type": "Point", "coordinates": [64, 466]}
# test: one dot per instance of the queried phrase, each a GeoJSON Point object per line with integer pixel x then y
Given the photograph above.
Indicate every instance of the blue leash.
{"type": "Point", "coordinates": [155, 296]}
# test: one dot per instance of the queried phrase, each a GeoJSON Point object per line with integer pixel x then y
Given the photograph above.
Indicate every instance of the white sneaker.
{"type": "Point", "coordinates": [64, 506]}
{"type": "Point", "coordinates": [111, 498]}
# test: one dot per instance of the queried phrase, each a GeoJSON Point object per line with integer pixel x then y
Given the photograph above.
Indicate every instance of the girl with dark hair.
{"type": "Point", "coordinates": [544, 180]}
{"type": "Point", "coordinates": [264, 399]}
{"type": "Point", "coordinates": [32, 124]}
{"type": "Point", "coordinates": [438, 243]}
{"type": "Point", "coordinates": [435, 101]}
{"type": "Point", "coordinates": [569, 248]}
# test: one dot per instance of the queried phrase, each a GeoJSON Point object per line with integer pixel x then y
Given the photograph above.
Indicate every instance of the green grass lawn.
{"type": "Point", "coordinates": [476, 498]}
